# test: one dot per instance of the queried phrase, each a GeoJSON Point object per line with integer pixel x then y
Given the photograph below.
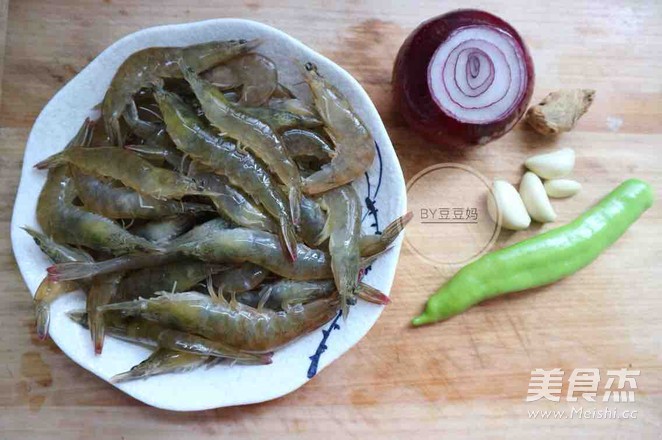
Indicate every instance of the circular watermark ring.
{"type": "Point", "coordinates": [451, 224]}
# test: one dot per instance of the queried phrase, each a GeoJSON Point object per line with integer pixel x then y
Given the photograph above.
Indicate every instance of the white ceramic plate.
{"type": "Point", "coordinates": [382, 189]}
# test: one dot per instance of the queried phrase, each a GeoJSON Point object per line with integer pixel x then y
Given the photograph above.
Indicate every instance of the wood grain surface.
{"type": "Point", "coordinates": [465, 378]}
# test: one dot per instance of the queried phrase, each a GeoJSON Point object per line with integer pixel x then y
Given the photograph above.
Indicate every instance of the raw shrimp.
{"type": "Point", "coordinates": [283, 294]}
{"type": "Point", "coordinates": [225, 158]}
{"type": "Point", "coordinates": [129, 168]}
{"type": "Point", "coordinates": [230, 202]}
{"type": "Point", "coordinates": [240, 245]}
{"type": "Point", "coordinates": [354, 146]}
{"type": "Point", "coordinates": [71, 224]}
{"type": "Point", "coordinates": [73, 271]}
{"type": "Point", "coordinates": [49, 290]}
{"type": "Point", "coordinates": [343, 229]}
{"type": "Point", "coordinates": [305, 143]}
{"type": "Point", "coordinates": [281, 120]}
{"type": "Point", "coordinates": [240, 279]}
{"type": "Point", "coordinates": [112, 201]}
{"type": "Point", "coordinates": [255, 74]}
{"type": "Point", "coordinates": [162, 231]}
{"type": "Point", "coordinates": [102, 291]}
{"type": "Point", "coordinates": [148, 66]}
{"type": "Point", "coordinates": [162, 361]}
{"type": "Point", "coordinates": [154, 334]}
{"type": "Point", "coordinates": [251, 133]}
{"type": "Point", "coordinates": [241, 326]}
{"type": "Point", "coordinates": [179, 276]}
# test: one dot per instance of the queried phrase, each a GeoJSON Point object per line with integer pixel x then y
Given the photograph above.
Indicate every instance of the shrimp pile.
{"type": "Point", "coordinates": [211, 215]}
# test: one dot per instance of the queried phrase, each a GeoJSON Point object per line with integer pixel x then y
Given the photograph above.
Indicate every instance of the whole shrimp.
{"type": "Point", "coordinates": [354, 145]}
{"type": "Point", "coordinates": [162, 361]}
{"type": "Point", "coordinates": [240, 245]}
{"type": "Point", "coordinates": [153, 334]}
{"type": "Point", "coordinates": [343, 229]}
{"type": "Point", "coordinates": [102, 291]}
{"type": "Point", "coordinates": [179, 276]}
{"type": "Point", "coordinates": [70, 224]}
{"type": "Point", "coordinates": [283, 294]}
{"type": "Point", "coordinates": [49, 290]}
{"type": "Point", "coordinates": [129, 168]}
{"type": "Point", "coordinates": [74, 271]}
{"type": "Point", "coordinates": [112, 201]}
{"type": "Point", "coordinates": [230, 202]}
{"type": "Point", "coordinates": [148, 66]}
{"type": "Point", "coordinates": [238, 326]}
{"type": "Point", "coordinates": [67, 223]}
{"type": "Point", "coordinates": [252, 133]}
{"type": "Point", "coordinates": [223, 156]}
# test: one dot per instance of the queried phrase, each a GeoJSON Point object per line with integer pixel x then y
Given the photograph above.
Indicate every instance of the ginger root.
{"type": "Point", "coordinates": [559, 111]}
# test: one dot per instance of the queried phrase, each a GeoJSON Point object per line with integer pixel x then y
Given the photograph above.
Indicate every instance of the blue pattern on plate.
{"type": "Point", "coordinates": [371, 210]}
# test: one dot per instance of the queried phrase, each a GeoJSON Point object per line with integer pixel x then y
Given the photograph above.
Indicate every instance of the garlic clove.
{"type": "Point", "coordinates": [560, 188]}
{"type": "Point", "coordinates": [535, 198]}
{"type": "Point", "coordinates": [505, 200]}
{"type": "Point", "coordinates": [552, 165]}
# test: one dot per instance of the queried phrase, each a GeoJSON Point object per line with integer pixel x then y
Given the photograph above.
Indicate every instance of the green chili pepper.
{"type": "Point", "coordinates": [543, 259]}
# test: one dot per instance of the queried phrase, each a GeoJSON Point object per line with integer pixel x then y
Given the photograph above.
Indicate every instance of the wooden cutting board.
{"type": "Point", "coordinates": [467, 377]}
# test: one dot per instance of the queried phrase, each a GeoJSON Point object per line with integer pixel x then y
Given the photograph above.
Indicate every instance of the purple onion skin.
{"type": "Point", "coordinates": [412, 93]}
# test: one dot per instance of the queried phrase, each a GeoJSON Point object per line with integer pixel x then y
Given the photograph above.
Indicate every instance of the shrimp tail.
{"type": "Point", "coordinates": [372, 244]}
{"type": "Point", "coordinates": [51, 162]}
{"type": "Point", "coordinates": [78, 316]}
{"type": "Point", "coordinates": [46, 293]}
{"type": "Point", "coordinates": [372, 295]}
{"type": "Point", "coordinates": [98, 332]}
{"type": "Point", "coordinates": [295, 203]}
{"type": "Point", "coordinates": [71, 271]}
{"type": "Point", "coordinates": [288, 237]}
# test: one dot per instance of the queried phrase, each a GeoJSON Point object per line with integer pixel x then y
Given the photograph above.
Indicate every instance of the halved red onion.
{"type": "Point", "coordinates": [463, 78]}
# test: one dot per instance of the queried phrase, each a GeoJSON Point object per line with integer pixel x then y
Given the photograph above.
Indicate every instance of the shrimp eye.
{"type": "Point", "coordinates": [310, 66]}
{"type": "Point", "coordinates": [242, 41]}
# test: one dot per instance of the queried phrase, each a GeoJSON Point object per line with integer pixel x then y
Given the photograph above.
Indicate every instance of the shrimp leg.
{"type": "Point", "coordinates": [103, 289]}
